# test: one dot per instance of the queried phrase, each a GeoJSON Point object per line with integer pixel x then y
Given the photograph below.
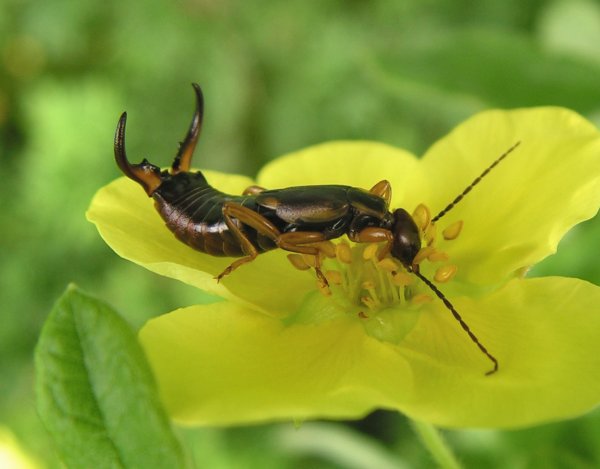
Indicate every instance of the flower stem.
{"type": "Point", "coordinates": [435, 444]}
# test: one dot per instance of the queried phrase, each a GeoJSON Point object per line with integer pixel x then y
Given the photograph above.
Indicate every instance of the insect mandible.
{"type": "Point", "coordinates": [294, 219]}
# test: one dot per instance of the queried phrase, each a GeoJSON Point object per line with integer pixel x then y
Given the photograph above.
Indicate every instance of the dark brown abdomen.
{"type": "Point", "coordinates": [197, 220]}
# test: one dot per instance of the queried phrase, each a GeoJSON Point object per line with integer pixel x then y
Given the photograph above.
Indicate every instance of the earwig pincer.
{"type": "Point", "coordinates": [296, 219]}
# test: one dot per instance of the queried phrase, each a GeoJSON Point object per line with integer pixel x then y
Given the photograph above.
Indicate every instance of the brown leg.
{"type": "Point", "coordinates": [373, 234]}
{"type": "Point", "coordinates": [253, 190]}
{"type": "Point", "coordinates": [297, 242]}
{"type": "Point", "coordinates": [293, 242]}
{"type": "Point", "coordinates": [384, 190]}
{"type": "Point", "coordinates": [252, 219]}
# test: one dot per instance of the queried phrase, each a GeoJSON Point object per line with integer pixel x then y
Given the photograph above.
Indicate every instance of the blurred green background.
{"type": "Point", "coordinates": [277, 76]}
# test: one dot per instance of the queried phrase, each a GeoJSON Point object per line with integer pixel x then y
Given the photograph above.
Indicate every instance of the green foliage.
{"type": "Point", "coordinates": [95, 392]}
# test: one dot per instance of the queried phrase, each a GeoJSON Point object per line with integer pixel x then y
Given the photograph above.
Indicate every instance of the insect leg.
{"type": "Point", "coordinates": [293, 242]}
{"type": "Point", "coordinates": [297, 241]}
{"type": "Point", "coordinates": [372, 234]}
{"type": "Point", "coordinates": [247, 217]}
{"type": "Point", "coordinates": [384, 190]}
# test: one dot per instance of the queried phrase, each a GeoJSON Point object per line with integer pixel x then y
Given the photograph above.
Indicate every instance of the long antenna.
{"type": "Point", "coordinates": [474, 183]}
{"type": "Point", "coordinates": [460, 320]}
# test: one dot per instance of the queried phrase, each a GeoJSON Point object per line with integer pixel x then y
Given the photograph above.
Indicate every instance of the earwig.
{"type": "Point", "coordinates": [294, 219]}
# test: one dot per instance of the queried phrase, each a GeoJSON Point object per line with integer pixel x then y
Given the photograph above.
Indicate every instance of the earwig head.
{"type": "Point", "coordinates": [407, 239]}
{"type": "Point", "coordinates": [145, 173]}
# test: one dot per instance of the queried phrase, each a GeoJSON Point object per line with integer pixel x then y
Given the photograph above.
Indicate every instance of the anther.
{"type": "Point", "coordinates": [445, 273]}
{"type": "Point", "coordinates": [421, 298]}
{"type": "Point", "coordinates": [422, 216]}
{"type": "Point", "coordinates": [333, 276]}
{"type": "Point", "coordinates": [327, 248]}
{"type": "Point", "coordinates": [298, 261]}
{"type": "Point", "coordinates": [310, 260]}
{"type": "Point", "coordinates": [388, 265]}
{"type": "Point", "coordinates": [368, 302]}
{"type": "Point", "coordinates": [430, 234]}
{"type": "Point", "coordinates": [368, 285]}
{"type": "Point", "coordinates": [452, 231]}
{"type": "Point", "coordinates": [402, 279]}
{"type": "Point", "coordinates": [343, 253]}
{"type": "Point", "coordinates": [423, 254]}
{"type": "Point", "coordinates": [438, 256]}
{"type": "Point", "coordinates": [370, 251]}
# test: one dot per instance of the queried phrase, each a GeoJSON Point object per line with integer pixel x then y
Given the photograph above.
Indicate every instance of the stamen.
{"type": "Point", "coordinates": [327, 248]}
{"type": "Point", "coordinates": [388, 265]}
{"type": "Point", "coordinates": [343, 252]}
{"type": "Point", "coordinates": [421, 298]}
{"type": "Point", "coordinates": [438, 256]}
{"type": "Point", "coordinates": [370, 287]}
{"type": "Point", "coordinates": [369, 302]}
{"type": "Point", "coordinates": [452, 231]}
{"type": "Point", "coordinates": [370, 251]}
{"type": "Point", "coordinates": [310, 260]}
{"type": "Point", "coordinates": [423, 254]}
{"type": "Point", "coordinates": [422, 216]}
{"type": "Point", "coordinates": [334, 276]}
{"type": "Point", "coordinates": [403, 279]}
{"type": "Point", "coordinates": [430, 234]}
{"type": "Point", "coordinates": [376, 291]}
{"type": "Point", "coordinates": [298, 261]}
{"type": "Point", "coordinates": [445, 273]}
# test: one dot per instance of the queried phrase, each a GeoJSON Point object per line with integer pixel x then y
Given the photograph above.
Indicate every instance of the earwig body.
{"type": "Point", "coordinates": [192, 210]}
{"type": "Point", "coordinates": [294, 219]}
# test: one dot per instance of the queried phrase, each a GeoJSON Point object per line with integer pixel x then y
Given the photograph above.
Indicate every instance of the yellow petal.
{"type": "Point", "coordinates": [544, 333]}
{"type": "Point", "coordinates": [222, 364]}
{"type": "Point", "coordinates": [225, 364]}
{"type": "Point", "coordinates": [519, 212]}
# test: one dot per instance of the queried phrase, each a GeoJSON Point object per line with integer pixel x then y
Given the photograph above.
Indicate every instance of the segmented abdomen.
{"type": "Point", "coordinates": [193, 211]}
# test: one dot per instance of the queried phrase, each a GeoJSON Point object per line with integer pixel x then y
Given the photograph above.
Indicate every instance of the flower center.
{"type": "Point", "coordinates": [378, 292]}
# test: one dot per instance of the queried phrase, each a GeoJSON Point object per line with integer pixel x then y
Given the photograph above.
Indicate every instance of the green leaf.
{"type": "Point", "coordinates": [95, 392]}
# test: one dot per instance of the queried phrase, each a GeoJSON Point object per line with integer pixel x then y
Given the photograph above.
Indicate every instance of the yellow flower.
{"type": "Point", "coordinates": [277, 348]}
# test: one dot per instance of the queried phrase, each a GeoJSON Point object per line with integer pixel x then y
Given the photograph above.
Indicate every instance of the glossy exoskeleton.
{"type": "Point", "coordinates": [294, 219]}
{"type": "Point", "coordinates": [259, 220]}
